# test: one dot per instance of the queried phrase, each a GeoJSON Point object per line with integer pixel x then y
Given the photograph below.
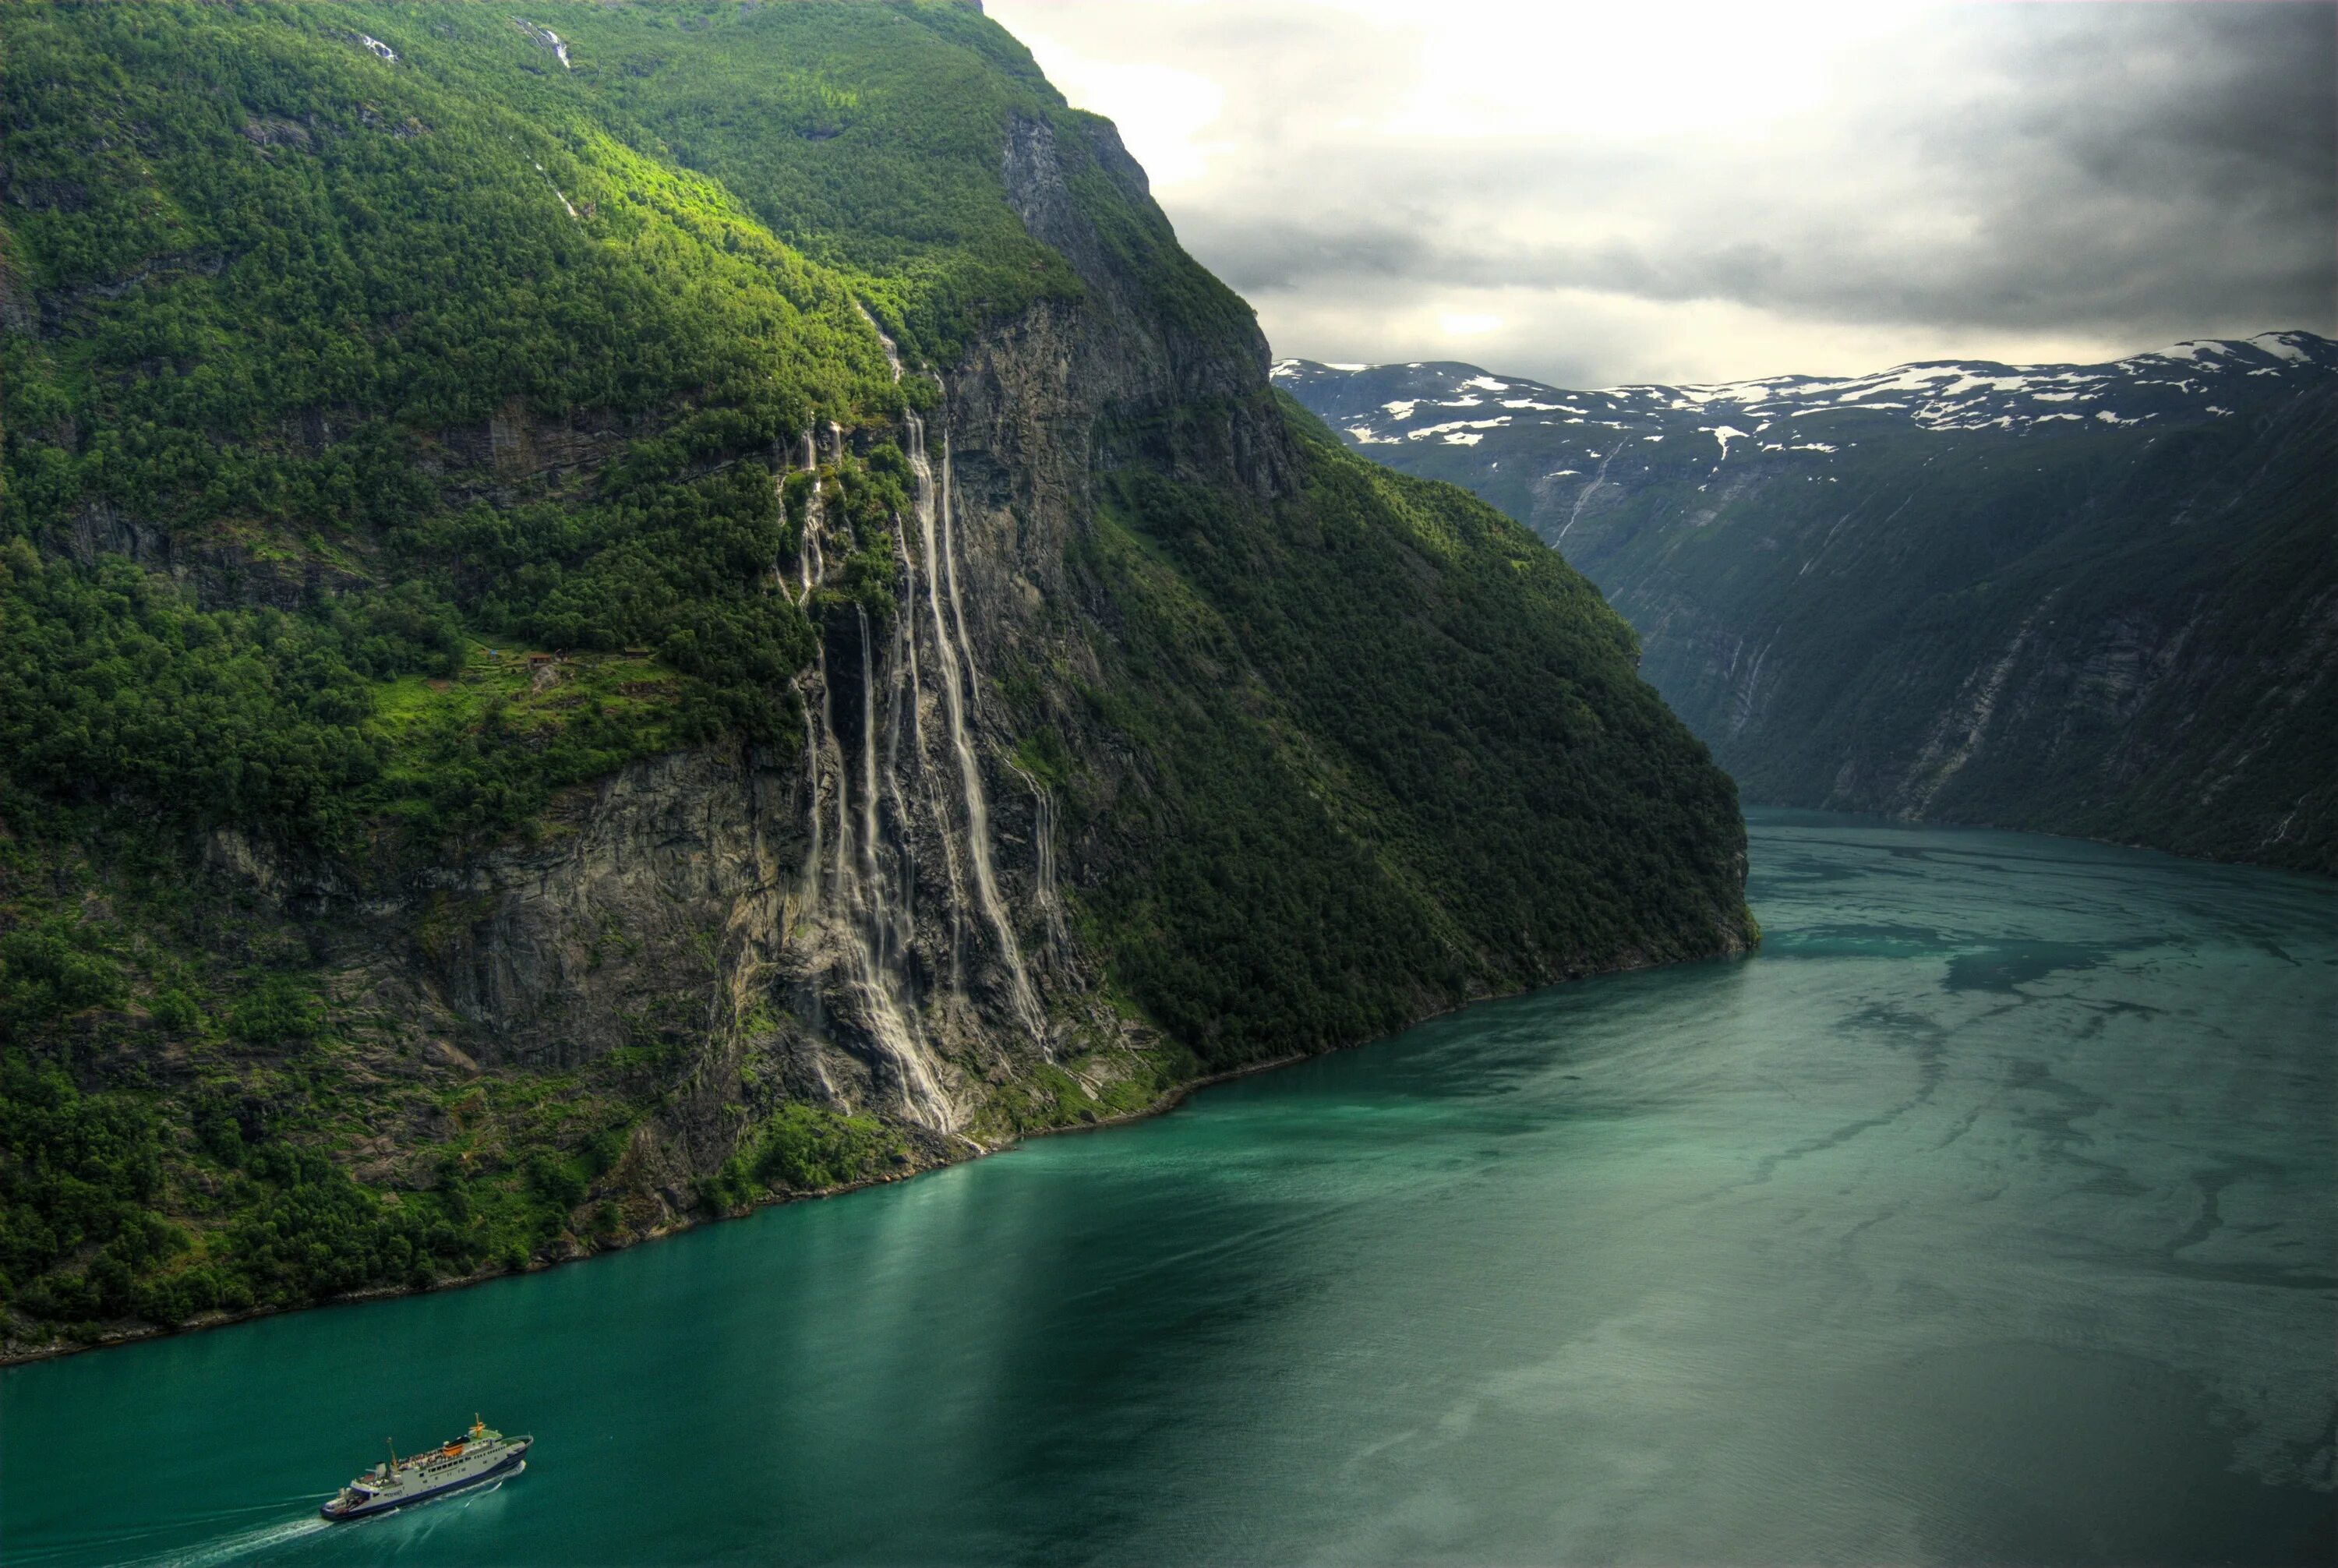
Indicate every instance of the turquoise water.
{"type": "Point", "coordinates": [1989, 1215]}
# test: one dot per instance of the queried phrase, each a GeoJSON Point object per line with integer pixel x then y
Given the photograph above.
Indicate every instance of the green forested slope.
{"type": "Point", "coordinates": [338, 389]}
{"type": "Point", "coordinates": [1458, 786]}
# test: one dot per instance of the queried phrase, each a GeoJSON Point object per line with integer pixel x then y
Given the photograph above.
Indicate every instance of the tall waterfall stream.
{"type": "Point", "coordinates": [872, 780]}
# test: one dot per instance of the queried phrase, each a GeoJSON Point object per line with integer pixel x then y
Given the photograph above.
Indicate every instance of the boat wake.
{"type": "Point", "coordinates": [228, 1549]}
{"type": "Point", "coordinates": [283, 1532]}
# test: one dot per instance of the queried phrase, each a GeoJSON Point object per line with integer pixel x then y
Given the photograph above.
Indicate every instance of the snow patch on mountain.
{"type": "Point", "coordinates": [2285, 345]}
{"type": "Point", "coordinates": [1807, 423]}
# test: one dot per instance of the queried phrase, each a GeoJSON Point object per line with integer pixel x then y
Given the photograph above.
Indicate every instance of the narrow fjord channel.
{"type": "Point", "coordinates": [1988, 1215]}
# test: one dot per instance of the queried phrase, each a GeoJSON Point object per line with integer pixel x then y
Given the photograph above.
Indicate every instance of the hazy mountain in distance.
{"type": "Point", "coordinates": [2095, 599]}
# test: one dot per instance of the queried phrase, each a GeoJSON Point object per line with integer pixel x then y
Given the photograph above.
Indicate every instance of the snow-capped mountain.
{"type": "Point", "coordinates": [2088, 597]}
{"type": "Point", "coordinates": [1460, 404]}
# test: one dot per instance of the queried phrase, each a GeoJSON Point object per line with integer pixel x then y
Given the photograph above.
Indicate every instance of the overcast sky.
{"type": "Point", "coordinates": [1598, 194]}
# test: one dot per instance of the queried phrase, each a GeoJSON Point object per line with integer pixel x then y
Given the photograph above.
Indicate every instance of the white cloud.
{"type": "Point", "coordinates": [1603, 193]}
{"type": "Point", "coordinates": [1161, 111]}
{"type": "Point", "coordinates": [1624, 71]}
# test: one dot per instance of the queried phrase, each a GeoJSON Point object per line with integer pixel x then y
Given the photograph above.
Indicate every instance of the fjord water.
{"type": "Point", "coordinates": [1988, 1215]}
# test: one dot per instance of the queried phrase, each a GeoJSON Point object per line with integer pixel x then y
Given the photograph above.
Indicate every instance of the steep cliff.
{"type": "Point", "coordinates": [2099, 600]}
{"type": "Point", "coordinates": [613, 613]}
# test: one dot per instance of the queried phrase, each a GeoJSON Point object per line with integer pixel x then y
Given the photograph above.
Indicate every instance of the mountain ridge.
{"type": "Point", "coordinates": [1979, 393]}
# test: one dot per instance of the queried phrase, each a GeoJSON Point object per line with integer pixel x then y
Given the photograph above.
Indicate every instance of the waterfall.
{"type": "Point", "coordinates": [843, 877]}
{"type": "Point", "coordinates": [949, 568]}
{"type": "Point", "coordinates": [915, 704]}
{"type": "Point", "coordinates": [856, 925]}
{"type": "Point", "coordinates": [858, 935]}
{"type": "Point", "coordinates": [826, 768]}
{"type": "Point", "coordinates": [810, 894]}
{"type": "Point", "coordinates": [870, 875]}
{"type": "Point", "coordinates": [878, 977]}
{"type": "Point", "coordinates": [909, 699]}
{"type": "Point", "coordinates": [906, 694]}
{"type": "Point", "coordinates": [1584, 496]}
{"type": "Point", "coordinates": [810, 568]}
{"type": "Point", "coordinates": [892, 353]}
{"type": "Point", "coordinates": [1043, 840]}
{"type": "Point", "coordinates": [814, 569]}
{"type": "Point", "coordinates": [860, 904]}
{"type": "Point", "coordinates": [953, 677]}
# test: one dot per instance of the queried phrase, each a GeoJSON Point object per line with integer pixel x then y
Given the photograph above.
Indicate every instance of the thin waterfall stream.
{"type": "Point", "coordinates": [855, 924]}
{"type": "Point", "coordinates": [865, 929]}
{"type": "Point", "coordinates": [954, 678]}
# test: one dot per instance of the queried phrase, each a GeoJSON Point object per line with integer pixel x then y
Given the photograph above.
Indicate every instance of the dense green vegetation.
{"type": "Point", "coordinates": [248, 232]}
{"type": "Point", "coordinates": [1380, 798]}
{"type": "Point", "coordinates": [86, 1180]}
{"type": "Point", "coordinates": [392, 446]}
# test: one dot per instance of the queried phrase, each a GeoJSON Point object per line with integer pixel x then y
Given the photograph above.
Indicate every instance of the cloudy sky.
{"type": "Point", "coordinates": [1592, 194]}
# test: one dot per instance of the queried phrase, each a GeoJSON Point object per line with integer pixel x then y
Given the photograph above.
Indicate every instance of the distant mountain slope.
{"type": "Point", "coordinates": [2095, 599]}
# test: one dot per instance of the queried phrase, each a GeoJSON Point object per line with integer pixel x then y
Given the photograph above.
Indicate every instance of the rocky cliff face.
{"type": "Point", "coordinates": [2083, 599]}
{"type": "Point", "coordinates": [877, 922]}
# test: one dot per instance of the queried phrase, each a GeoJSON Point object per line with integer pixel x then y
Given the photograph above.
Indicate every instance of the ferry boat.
{"type": "Point", "coordinates": [479, 1455]}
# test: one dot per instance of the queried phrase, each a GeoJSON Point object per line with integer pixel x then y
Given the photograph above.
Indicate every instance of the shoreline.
{"type": "Point", "coordinates": [1167, 1101]}
{"type": "Point", "coordinates": [13, 1355]}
